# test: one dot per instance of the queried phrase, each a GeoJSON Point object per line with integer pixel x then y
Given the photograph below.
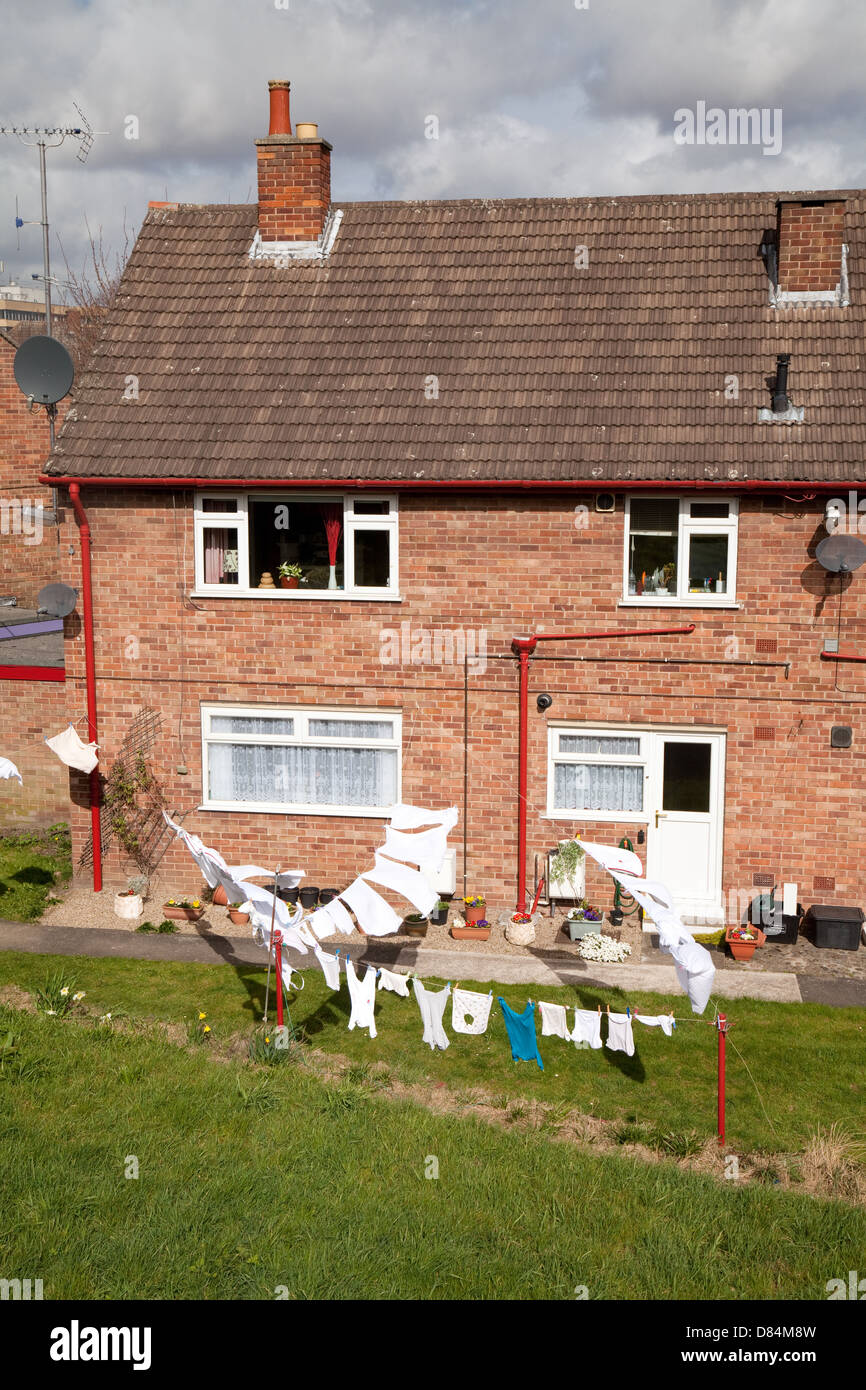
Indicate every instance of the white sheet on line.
{"type": "Point", "coordinates": [411, 817]}
{"type": "Point", "coordinates": [9, 770]}
{"type": "Point", "coordinates": [611, 857]}
{"type": "Point", "coordinates": [402, 879]}
{"type": "Point", "coordinates": [426, 849]}
{"type": "Point", "coordinates": [72, 751]}
{"type": "Point", "coordinates": [330, 918]}
{"type": "Point", "coordinates": [376, 916]}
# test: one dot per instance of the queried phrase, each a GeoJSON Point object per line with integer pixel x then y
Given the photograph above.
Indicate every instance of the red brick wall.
{"type": "Point", "coordinates": [294, 187]}
{"type": "Point", "coordinates": [32, 710]}
{"type": "Point", "coordinates": [794, 806]}
{"type": "Point", "coordinates": [810, 246]}
{"type": "Point", "coordinates": [24, 566]}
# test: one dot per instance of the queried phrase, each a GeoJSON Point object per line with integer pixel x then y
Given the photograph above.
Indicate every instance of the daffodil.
{"type": "Point", "coordinates": [79, 995]}
{"type": "Point", "coordinates": [64, 992]}
{"type": "Point", "coordinates": [106, 1018]}
{"type": "Point", "coordinates": [52, 1012]}
{"type": "Point", "coordinates": [202, 1016]}
{"type": "Point", "coordinates": [207, 1028]}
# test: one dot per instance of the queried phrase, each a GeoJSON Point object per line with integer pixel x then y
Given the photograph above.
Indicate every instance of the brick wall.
{"type": "Point", "coordinates": [32, 709]}
{"type": "Point", "coordinates": [294, 187]}
{"type": "Point", "coordinates": [810, 239]}
{"type": "Point", "coordinates": [794, 806]}
{"type": "Point", "coordinates": [25, 567]}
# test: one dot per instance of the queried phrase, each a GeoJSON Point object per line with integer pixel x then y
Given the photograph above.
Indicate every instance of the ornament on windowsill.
{"type": "Point", "coordinates": [267, 581]}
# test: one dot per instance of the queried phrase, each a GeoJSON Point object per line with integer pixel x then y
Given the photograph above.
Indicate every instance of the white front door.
{"type": "Point", "coordinates": [685, 804]}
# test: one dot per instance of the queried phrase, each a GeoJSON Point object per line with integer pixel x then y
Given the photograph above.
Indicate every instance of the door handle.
{"type": "Point", "coordinates": [663, 815]}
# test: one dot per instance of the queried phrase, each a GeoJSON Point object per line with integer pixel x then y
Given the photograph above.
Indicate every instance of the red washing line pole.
{"type": "Point", "coordinates": [90, 669]}
{"type": "Point", "coordinates": [722, 1025]}
{"type": "Point", "coordinates": [523, 647]}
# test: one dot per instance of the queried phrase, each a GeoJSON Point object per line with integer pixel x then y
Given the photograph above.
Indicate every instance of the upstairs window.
{"type": "Point", "coordinates": [296, 546]}
{"type": "Point", "coordinates": [680, 550]}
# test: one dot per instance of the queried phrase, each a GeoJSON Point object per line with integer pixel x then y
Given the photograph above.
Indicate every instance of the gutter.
{"type": "Point", "coordinates": [90, 670]}
{"type": "Point", "coordinates": [463, 484]}
{"type": "Point", "coordinates": [523, 647]}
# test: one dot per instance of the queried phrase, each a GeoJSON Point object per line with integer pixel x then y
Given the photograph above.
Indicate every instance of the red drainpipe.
{"type": "Point", "coordinates": [841, 656]}
{"type": "Point", "coordinates": [523, 647]}
{"type": "Point", "coordinates": [90, 669]}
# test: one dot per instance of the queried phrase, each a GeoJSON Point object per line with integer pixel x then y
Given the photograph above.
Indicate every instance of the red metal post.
{"type": "Point", "coordinates": [722, 1025]}
{"type": "Point", "coordinates": [278, 949]}
{"type": "Point", "coordinates": [90, 674]}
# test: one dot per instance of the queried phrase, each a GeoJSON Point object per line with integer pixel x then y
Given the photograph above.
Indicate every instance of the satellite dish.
{"type": "Point", "coordinates": [841, 554]}
{"type": "Point", "coordinates": [57, 600]}
{"type": "Point", "coordinates": [44, 370]}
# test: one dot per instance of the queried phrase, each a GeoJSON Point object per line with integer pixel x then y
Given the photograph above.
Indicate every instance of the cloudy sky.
{"type": "Point", "coordinates": [573, 97]}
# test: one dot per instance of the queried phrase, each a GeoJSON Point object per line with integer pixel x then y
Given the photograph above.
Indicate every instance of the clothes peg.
{"type": "Point", "coordinates": [627, 1011]}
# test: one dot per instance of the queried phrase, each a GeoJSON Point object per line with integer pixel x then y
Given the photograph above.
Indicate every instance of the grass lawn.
{"type": "Point", "coordinates": [806, 1059]}
{"type": "Point", "coordinates": [256, 1178]}
{"type": "Point", "coordinates": [31, 864]}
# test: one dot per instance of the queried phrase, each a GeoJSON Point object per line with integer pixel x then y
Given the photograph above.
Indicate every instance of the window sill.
{"type": "Point", "coordinates": [232, 808]}
{"type": "Point", "coordinates": [326, 595]}
{"type": "Point", "coordinates": [692, 602]}
{"type": "Point", "coordinates": [608, 817]}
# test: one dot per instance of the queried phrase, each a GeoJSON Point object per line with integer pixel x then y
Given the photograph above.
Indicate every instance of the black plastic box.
{"type": "Point", "coordinates": [836, 928]}
{"type": "Point", "coordinates": [781, 927]}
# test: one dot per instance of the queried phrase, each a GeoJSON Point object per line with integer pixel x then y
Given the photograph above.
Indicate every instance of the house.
{"type": "Point", "coordinates": [469, 422]}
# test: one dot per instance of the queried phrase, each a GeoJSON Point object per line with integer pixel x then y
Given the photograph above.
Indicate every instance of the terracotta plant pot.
{"type": "Point", "coordinates": [475, 914]}
{"type": "Point", "coordinates": [220, 897]}
{"type": "Point", "coordinates": [744, 950]}
{"type": "Point", "coordinates": [289, 581]}
{"type": "Point", "coordinates": [412, 927]}
{"type": "Point", "coordinates": [182, 914]}
{"type": "Point", "coordinates": [471, 933]}
{"type": "Point", "coordinates": [239, 918]}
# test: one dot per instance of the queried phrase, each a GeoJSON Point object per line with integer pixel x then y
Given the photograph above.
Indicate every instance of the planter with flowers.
{"type": "Point", "coordinates": [744, 940]}
{"type": "Point", "coordinates": [474, 909]}
{"type": "Point", "coordinates": [582, 920]}
{"type": "Point", "coordinates": [182, 910]}
{"type": "Point", "coordinates": [476, 930]}
{"type": "Point", "coordinates": [236, 914]}
{"type": "Point", "coordinates": [128, 904]}
{"type": "Point", "coordinates": [520, 927]}
{"type": "Point", "coordinates": [291, 576]}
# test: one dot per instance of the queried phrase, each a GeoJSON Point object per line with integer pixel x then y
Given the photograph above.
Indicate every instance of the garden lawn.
{"type": "Point", "coordinates": [791, 1067]}
{"type": "Point", "coordinates": [253, 1180]}
{"type": "Point", "coordinates": [31, 864]}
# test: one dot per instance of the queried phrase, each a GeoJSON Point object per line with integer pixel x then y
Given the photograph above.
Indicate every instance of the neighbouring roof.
{"type": "Point", "coordinates": [616, 372]}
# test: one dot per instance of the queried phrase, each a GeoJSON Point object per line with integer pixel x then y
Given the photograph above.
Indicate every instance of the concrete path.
{"type": "Point", "coordinates": [543, 969]}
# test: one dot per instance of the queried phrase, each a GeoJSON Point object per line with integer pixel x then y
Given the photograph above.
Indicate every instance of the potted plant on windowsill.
{"type": "Point", "coordinates": [474, 909]}
{"type": "Point", "coordinates": [477, 930]}
{"type": "Point", "coordinates": [668, 579]}
{"type": "Point", "coordinates": [415, 924]}
{"type": "Point", "coordinates": [744, 940]}
{"type": "Point", "coordinates": [183, 910]}
{"type": "Point", "coordinates": [291, 575]}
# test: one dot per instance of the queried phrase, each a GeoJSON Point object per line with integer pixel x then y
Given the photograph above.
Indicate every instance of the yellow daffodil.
{"type": "Point", "coordinates": [207, 1028]}
{"type": "Point", "coordinates": [202, 1016]}
{"type": "Point", "coordinates": [64, 992]}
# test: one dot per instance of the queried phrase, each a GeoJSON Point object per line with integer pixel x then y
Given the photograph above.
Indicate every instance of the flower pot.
{"type": "Point", "coordinates": [469, 933]}
{"type": "Point", "coordinates": [238, 917]}
{"type": "Point", "coordinates": [440, 916]}
{"type": "Point", "coordinates": [412, 927]}
{"type": "Point", "coordinates": [182, 914]}
{"type": "Point", "coordinates": [475, 914]}
{"type": "Point", "coordinates": [744, 950]}
{"type": "Point", "coordinates": [220, 897]}
{"type": "Point", "coordinates": [288, 895]}
{"type": "Point", "coordinates": [577, 928]}
{"type": "Point", "coordinates": [128, 905]}
{"type": "Point", "coordinates": [309, 897]}
{"type": "Point", "coordinates": [328, 895]}
{"type": "Point", "coordinates": [289, 581]}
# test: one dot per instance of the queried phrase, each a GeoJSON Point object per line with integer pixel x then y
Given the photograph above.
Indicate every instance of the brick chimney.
{"type": "Point", "coordinates": [809, 237]}
{"type": "Point", "coordinates": [294, 176]}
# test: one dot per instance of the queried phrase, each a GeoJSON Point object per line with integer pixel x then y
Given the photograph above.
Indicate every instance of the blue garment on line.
{"type": "Point", "coordinates": [521, 1033]}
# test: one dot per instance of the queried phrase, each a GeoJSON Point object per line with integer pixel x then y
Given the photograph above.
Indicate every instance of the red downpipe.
{"type": "Point", "coordinates": [90, 670]}
{"type": "Point", "coordinates": [523, 647]}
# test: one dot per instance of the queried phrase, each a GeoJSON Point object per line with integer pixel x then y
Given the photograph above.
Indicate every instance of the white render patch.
{"type": "Point", "coordinates": [792, 416]}
{"type": "Point", "coordinates": [839, 297]}
{"type": "Point", "coordinates": [282, 252]}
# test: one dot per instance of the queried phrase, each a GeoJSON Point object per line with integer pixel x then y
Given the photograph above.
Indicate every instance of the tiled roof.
{"type": "Point", "coordinates": [545, 371]}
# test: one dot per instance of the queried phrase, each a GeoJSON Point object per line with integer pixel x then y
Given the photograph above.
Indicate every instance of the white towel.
{"type": "Point", "coordinates": [587, 1027]}
{"type": "Point", "coordinates": [398, 984]}
{"type": "Point", "coordinates": [331, 918]}
{"type": "Point", "coordinates": [553, 1021]}
{"type": "Point", "coordinates": [411, 817]}
{"type": "Point", "coordinates": [408, 882]}
{"type": "Point", "coordinates": [330, 967]}
{"type": "Point", "coordinates": [9, 770]}
{"type": "Point", "coordinates": [664, 1021]}
{"type": "Point", "coordinates": [426, 849]}
{"type": "Point", "coordinates": [71, 751]}
{"type": "Point", "coordinates": [470, 1012]}
{"type": "Point", "coordinates": [375, 915]}
{"type": "Point", "coordinates": [611, 857]}
{"type": "Point", "coordinates": [620, 1037]}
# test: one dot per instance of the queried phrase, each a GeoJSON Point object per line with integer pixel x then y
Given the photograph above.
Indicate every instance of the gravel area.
{"type": "Point", "coordinates": [81, 907]}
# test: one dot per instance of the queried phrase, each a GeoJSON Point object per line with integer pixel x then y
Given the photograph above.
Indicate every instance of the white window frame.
{"type": "Point", "coordinates": [641, 758]}
{"type": "Point", "coordinates": [687, 526]}
{"type": "Point", "coordinates": [352, 523]}
{"type": "Point", "coordinates": [301, 714]}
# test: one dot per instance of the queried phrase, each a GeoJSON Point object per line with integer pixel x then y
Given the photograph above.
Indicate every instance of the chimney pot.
{"type": "Point", "coordinates": [280, 120]}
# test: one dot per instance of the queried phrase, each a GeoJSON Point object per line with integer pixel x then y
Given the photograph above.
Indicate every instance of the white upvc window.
{"type": "Point", "coordinates": [680, 550]}
{"type": "Point", "coordinates": [598, 774]}
{"type": "Point", "coordinates": [333, 761]}
{"type": "Point", "coordinates": [340, 547]}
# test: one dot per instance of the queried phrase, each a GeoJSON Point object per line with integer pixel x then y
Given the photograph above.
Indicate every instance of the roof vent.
{"type": "Point", "coordinates": [782, 412]}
